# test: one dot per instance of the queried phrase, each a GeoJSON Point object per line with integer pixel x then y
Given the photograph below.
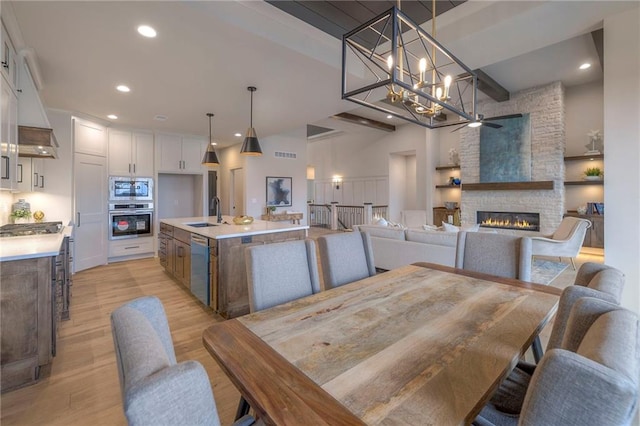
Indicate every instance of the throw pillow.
{"type": "Point", "coordinates": [452, 228]}
{"type": "Point", "coordinates": [431, 228]}
{"type": "Point", "coordinates": [381, 221]}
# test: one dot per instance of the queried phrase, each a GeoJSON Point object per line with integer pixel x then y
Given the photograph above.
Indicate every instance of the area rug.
{"type": "Point", "coordinates": [545, 271]}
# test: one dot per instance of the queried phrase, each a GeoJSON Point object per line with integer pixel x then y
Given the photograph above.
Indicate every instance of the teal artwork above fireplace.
{"type": "Point", "coordinates": [505, 153]}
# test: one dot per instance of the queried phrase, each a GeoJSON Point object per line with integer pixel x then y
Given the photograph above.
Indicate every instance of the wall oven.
{"type": "Point", "coordinates": [128, 188]}
{"type": "Point", "coordinates": [130, 220]}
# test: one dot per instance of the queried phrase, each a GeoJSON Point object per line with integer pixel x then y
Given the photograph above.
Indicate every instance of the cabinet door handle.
{"type": "Point", "coordinates": [129, 167]}
{"type": "Point", "coordinates": [6, 168]}
{"type": "Point", "coordinates": [20, 178]}
{"type": "Point", "coordinates": [41, 181]}
{"type": "Point", "coordinates": [5, 64]}
{"type": "Point", "coordinates": [134, 167]}
{"type": "Point", "coordinates": [78, 221]}
{"type": "Point", "coordinates": [35, 178]}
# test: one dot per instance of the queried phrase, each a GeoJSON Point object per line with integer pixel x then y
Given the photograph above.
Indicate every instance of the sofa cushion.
{"type": "Point", "coordinates": [441, 238]}
{"type": "Point", "coordinates": [383, 232]}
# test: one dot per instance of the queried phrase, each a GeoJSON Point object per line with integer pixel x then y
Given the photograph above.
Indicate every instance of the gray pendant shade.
{"type": "Point", "coordinates": [210, 157]}
{"type": "Point", "coordinates": [251, 146]}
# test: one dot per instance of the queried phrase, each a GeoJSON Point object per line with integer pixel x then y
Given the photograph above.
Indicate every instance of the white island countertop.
{"type": "Point", "coordinates": [227, 229]}
{"type": "Point", "coordinates": [31, 246]}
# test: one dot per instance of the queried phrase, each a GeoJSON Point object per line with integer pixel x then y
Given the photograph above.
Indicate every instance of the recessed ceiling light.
{"type": "Point", "coordinates": [237, 135]}
{"type": "Point", "coordinates": [147, 31]}
{"type": "Point", "coordinates": [389, 116]}
{"type": "Point", "coordinates": [585, 66]}
{"type": "Point", "coordinates": [160, 117]}
{"type": "Point", "coordinates": [112, 116]}
{"type": "Point", "coordinates": [122, 88]}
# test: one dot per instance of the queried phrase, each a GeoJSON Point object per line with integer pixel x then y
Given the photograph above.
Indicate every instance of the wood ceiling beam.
{"type": "Point", "coordinates": [356, 119]}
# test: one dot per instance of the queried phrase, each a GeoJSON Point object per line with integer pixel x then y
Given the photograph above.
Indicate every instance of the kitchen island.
{"type": "Point", "coordinates": [34, 296]}
{"type": "Point", "coordinates": [227, 278]}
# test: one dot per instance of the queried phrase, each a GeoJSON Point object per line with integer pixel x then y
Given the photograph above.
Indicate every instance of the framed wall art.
{"type": "Point", "coordinates": [278, 191]}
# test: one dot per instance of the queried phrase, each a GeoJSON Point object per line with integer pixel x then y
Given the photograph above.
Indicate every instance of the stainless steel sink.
{"type": "Point", "coordinates": [201, 224]}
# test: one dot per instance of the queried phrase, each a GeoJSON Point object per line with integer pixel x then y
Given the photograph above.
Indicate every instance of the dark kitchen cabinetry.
{"type": "Point", "coordinates": [175, 253]}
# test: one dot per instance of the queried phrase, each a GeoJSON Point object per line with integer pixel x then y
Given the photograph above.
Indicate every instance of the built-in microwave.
{"type": "Point", "coordinates": [127, 188]}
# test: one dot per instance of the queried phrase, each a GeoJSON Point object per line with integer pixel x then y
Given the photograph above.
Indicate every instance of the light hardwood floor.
{"type": "Point", "coordinates": [82, 387]}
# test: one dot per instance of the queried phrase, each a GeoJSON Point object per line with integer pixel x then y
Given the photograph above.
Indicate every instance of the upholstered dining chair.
{"type": "Point", "coordinates": [345, 257]}
{"type": "Point", "coordinates": [592, 379]}
{"type": "Point", "coordinates": [281, 272]}
{"type": "Point", "coordinates": [501, 255]}
{"type": "Point", "coordinates": [155, 389]}
{"type": "Point", "coordinates": [605, 283]}
{"type": "Point", "coordinates": [566, 241]}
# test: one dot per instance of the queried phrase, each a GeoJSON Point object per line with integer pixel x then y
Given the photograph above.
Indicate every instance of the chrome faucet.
{"type": "Point", "coordinates": [215, 202]}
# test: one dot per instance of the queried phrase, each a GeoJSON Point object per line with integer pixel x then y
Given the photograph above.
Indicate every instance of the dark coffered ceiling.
{"type": "Point", "coordinates": [338, 17]}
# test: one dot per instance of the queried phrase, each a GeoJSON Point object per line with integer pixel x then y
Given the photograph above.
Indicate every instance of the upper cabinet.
{"type": "Point", "coordinates": [130, 153]}
{"type": "Point", "coordinates": [8, 137]}
{"type": "Point", "coordinates": [177, 154]}
{"type": "Point", "coordinates": [9, 59]}
{"type": "Point", "coordinates": [89, 138]}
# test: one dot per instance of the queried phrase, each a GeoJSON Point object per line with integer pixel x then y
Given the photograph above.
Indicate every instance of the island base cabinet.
{"type": "Point", "coordinates": [27, 326]}
{"type": "Point", "coordinates": [228, 276]}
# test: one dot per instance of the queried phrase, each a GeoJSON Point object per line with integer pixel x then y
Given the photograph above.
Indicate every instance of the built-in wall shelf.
{"type": "Point", "coordinates": [584, 157]}
{"type": "Point", "coordinates": [448, 186]}
{"type": "Point", "coordinates": [585, 182]}
{"type": "Point", "coordinates": [449, 167]}
{"type": "Point", "coordinates": [506, 186]}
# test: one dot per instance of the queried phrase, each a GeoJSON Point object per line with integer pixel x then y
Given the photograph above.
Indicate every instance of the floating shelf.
{"type": "Point", "coordinates": [447, 186]}
{"type": "Point", "coordinates": [585, 182]}
{"type": "Point", "coordinates": [452, 167]}
{"type": "Point", "coordinates": [584, 157]}
{"type": "Point", "coordinates": [506, 186]}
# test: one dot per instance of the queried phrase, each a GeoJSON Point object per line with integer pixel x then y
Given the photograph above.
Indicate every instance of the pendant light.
{"type": "Point", "coordinates": [210, 158]}
{"type": "Point", "coordinates": [251, 146]}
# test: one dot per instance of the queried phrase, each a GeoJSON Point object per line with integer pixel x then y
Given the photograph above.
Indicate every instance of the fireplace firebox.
{"type": "Point", "coordinates": [509, 220]}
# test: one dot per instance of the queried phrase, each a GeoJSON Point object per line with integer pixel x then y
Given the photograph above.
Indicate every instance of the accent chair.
{"type": "Point", "coordinates": [566, 241]}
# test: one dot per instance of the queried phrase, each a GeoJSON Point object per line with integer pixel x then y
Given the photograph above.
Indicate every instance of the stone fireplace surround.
{"type": "Point", "coordinates": [545, 104]}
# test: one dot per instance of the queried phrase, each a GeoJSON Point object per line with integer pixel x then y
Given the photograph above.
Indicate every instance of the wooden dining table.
{"type": "Point", "coordinates": [424, 344]}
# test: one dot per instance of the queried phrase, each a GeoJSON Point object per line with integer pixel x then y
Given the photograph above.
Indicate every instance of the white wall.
{"type": "Point", "coordinates": [178, 196]}
{"type": "Point", "coordinates": [622, 150]}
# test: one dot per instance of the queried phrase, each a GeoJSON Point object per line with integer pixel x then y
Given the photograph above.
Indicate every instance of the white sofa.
{"type": "Point", "coordinates": [395, 247]}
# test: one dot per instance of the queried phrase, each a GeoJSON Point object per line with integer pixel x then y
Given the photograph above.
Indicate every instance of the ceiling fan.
{"type": "Point", "coordinates": [481, 121]}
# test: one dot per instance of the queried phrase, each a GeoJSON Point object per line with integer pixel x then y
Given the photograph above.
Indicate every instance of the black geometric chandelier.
{"type": "Point", "coordinates": [392, 65]}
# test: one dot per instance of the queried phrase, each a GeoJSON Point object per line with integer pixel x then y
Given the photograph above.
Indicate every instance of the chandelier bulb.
{"type": "Point", "coordinates": [390, 62]}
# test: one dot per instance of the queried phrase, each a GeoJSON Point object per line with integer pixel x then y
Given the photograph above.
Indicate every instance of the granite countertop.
{"type": "Point", "coordinates": [228, 229]}
{"type": "Point", "coordinates": [32, 246]}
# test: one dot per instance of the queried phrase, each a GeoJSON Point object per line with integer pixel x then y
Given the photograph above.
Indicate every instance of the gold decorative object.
{"type": "Point", "coordinates": [243, 220]}
{"type": "Point", "coordinates": [38, 215]}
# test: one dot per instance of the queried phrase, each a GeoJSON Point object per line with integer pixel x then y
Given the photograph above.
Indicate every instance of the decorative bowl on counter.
{"type": "Point", "coordinates": [243, 220]}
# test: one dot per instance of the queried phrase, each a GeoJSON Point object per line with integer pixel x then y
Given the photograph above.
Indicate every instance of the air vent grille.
{"type": "Point", "coordinates": [287, 155]}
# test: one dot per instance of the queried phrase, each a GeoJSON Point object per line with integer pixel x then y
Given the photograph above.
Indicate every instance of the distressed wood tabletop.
{"type": "Point", "coordinates": [421, 345]}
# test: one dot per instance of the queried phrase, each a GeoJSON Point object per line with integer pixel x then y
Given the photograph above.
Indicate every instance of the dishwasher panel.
{"type": "Point", "coordinates": [200, 268]}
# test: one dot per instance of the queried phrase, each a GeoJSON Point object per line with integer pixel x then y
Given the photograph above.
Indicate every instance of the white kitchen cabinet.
{"type": "Point", "coordinates": [8, 137]}
{"type": "Point", "coordinates": [130, 153]}
{"type": "Point", "coordinates": [9, 59]}
{"type": "Point", "coordinates": [178, 154]}
{"type": "Point", "coordinates": [89, 138]}
{"type": "Point", "coordinates": [31, 175]}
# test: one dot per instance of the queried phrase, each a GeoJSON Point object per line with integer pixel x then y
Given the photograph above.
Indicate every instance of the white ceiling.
{"type": "Point", "coordinates": [208, 52]}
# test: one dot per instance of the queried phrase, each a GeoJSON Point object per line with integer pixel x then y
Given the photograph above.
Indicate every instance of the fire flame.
{"type": "Point", "coordinates": [507, 223]}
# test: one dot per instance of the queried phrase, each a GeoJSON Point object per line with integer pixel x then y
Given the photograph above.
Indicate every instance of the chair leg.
{"type": "Point", "coordinates": [243, 408]}
{"type": "Point", "coordinates": [573, 263]}
{"type": "Point", "coordinates": [536, 348]}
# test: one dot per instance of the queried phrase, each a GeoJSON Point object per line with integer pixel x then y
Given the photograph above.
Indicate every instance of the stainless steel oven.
{"type": "Point", "coordinates": [128, 188]}
{"type": "Point", "coordinates": [130, 220]}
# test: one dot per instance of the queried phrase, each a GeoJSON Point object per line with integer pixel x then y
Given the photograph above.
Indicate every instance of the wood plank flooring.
{"type": "Point", "coordinates": [82, 385]}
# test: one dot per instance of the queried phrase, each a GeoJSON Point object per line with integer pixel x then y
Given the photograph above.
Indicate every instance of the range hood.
{"type": "Point", "coordinates": [37, 142]}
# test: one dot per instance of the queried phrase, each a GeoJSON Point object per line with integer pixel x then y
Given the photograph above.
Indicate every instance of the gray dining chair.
{"type": "Point", "coordinates": [592, 379]}
{"type": "Point", "coordinates": [155, 388]}
{"type": "Point", "coordinates": [345, 258]}
{"type": "Point", "coordinates": [281, 272]}
{"type": "Point", "coordinates": [594, 280]}
{"type": "Point", "coordinates": [501, 255]}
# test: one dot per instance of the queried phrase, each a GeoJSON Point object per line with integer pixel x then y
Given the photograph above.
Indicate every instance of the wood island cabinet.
{"type": "Point", "coordinates": [228, 276]}
{"type": "Point", "coordinates": [175, 253]}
